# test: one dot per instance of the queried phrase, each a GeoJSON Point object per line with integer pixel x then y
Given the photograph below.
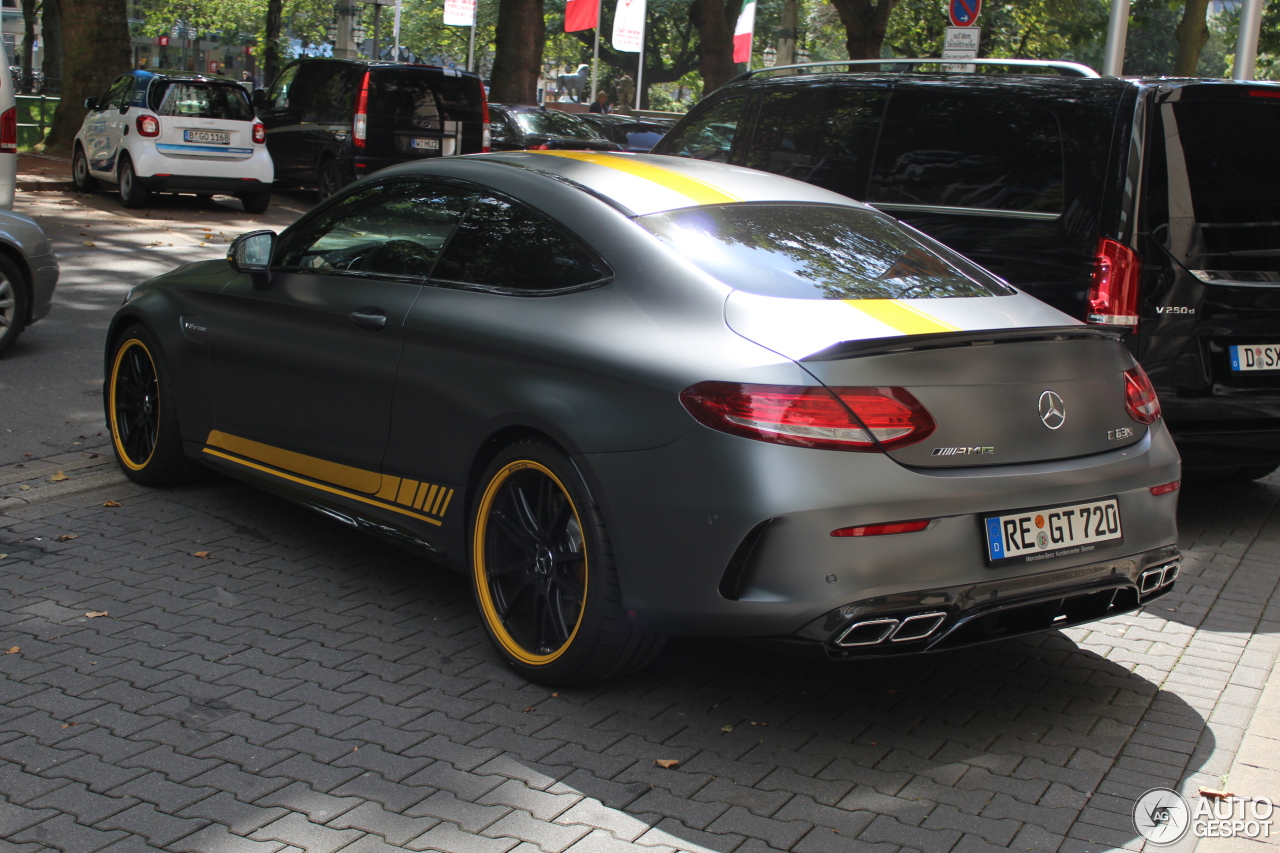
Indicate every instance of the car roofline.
{"type": "Point", "coordinates": [909, 64]}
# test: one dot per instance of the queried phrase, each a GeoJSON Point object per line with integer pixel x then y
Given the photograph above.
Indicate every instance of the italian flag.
{"type": "Point", "coordinates": [743, 32]}
{"type": "Point", "coordinates": [581, 15]}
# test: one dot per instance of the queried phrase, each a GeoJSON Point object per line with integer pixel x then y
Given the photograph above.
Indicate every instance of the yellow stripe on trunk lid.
{"type": "Point", "coordinates": [898, 315]}
{"type": "Point", "coordinates": [692, 188]}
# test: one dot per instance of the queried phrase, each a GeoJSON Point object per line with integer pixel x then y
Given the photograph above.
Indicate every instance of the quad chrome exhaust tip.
{"type": "Point", "coordinates": [870, 632]}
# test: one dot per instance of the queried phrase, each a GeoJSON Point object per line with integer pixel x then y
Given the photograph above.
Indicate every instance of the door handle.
{"type": "Point", "coordinates": [369, 319]}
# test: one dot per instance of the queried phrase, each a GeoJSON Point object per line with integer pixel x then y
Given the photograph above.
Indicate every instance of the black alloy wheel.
{"type": "Point", "coordinates": [142, 413]}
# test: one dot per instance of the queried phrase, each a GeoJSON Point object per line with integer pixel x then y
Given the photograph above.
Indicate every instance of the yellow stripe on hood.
{"type": "Point", "coordinates": [896, 314]}
{"type": "Point", "coordinates": [695, 190]}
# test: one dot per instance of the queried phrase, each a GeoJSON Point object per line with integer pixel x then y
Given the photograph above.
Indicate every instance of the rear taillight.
{"type": "Point", "coordinates": [148, 125]}
{"type": "Point", "coordinates": [1264, 93]}
{"type": "Point", "coordinates": [1113, 296]}
{"type": "Point", "coordinates": [831, 419]}
{"type": "Point", "coordinates": [883, 529]}
{"type": "Point", "coordinates": [484, 120]}
{"type": "Point", "coordinates": [1140, 399]}
{"type": "Point", "coordinates": [259, 133]}
{"type": "Point", "coordinates": [540, 147]}
{"type": "Point", "coordinates": [360, 123]}
{"type": "Point", "coordinates": [9, 131]}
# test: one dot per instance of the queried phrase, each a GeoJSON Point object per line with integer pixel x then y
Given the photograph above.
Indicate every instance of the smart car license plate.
{"type": "Point", "coordinates": [1030, 535]}
{"type": "Point", "coordinates": [208, 137]}
{"type": "Point", "coordinates": [429, 144]}
{"type": "Point", "coordinates": [1255, 357]}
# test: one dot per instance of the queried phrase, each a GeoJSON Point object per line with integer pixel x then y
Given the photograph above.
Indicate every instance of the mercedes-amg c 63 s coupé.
{"type": "Point", "coordinates": [636, 396]}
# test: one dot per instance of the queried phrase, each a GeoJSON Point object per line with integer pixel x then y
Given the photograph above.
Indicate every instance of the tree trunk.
{"type": "Point", "coordinates": [30, 9]}
{"type": "Point", "coordinates": [271, 54]}
{"type": "Point", "coordinates": [517, 52]}
{"type": "Point", "coordinates": [98, 34]}
{"type": "Point", "coordinates": [715, 20]}
{"type": "Point", "coordinates": [51, 43]}
{"type": "Point", "coordinates": [1193, 34]}
{"type": "Point", "coordinates": [864, 25]}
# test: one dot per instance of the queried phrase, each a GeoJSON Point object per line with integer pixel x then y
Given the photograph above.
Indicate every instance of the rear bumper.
{"type": "Point", "coordinates": [192, 183]}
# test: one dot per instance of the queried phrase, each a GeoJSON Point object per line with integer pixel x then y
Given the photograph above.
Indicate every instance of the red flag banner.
{"type": "Point", "coordinates": [581, 15]}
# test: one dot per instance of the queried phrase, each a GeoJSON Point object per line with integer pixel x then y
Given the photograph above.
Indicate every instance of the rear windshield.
{"type": "Point", "coordinates": [554, 123]}
{"type": "Point", "coordinates": [1230, 150]}
{"type": "Point", "coordinates": [201, 100]}
{"type": "Point", "coordinates": [810, 251]}
{"type": "Point", "coordinates": [418, 99]}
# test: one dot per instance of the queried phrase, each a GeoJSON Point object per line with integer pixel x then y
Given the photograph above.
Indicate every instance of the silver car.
{"type": "Point", "coordinates": [635, 396]}
{"type": "Point", "coordinates": [28, 275]}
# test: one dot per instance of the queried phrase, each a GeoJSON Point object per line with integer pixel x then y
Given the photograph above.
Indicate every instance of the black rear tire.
{"type": "Point", "coordinates": [132, 194]}
{"type": "Point", "coordinates": [13, 303]}
{"type": "Point", "coordinates": [255, 202]}
{"type": "Point", "coordinates": [142, 413]}
{"type": "Point", "coordinates": [543, 573]}
{"type": "Point", "coordinates": [80, 177]}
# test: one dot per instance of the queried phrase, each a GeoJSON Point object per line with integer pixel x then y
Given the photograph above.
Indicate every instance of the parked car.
{"type": "Point", "coordinates": [1149, 203]}
{"type": "Point", "coordinates": [516, 127]}
{"type": "Point", "coordinates": [173, 132]}
{"type": "Point", "coordinates": [331, 121]}
{"type": "Point", "coordinates": [28, 275]}
{"type": "Point", "coordinates": [633, 134]}
{"type": "Point", "coordinates": [635, 396]}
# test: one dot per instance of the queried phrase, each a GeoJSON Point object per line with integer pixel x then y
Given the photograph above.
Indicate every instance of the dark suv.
{"type": "Point", "coordinates": [1149, 203]}
{"type": "Point", "coordinates": [330, 121]}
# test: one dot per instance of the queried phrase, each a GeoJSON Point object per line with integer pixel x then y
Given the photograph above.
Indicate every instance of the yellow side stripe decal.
{"type": "Point", "coordinates": [355, 479]}
{"type": "Point", "coordinates": [321, 486]}
{"type": "Point", "coordinates": [694, 189]}
{"type": "Point", "coordinates": [905, 318]}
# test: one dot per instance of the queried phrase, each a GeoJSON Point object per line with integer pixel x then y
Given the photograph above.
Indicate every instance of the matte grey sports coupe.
{"type": "Point", "coordinates": [636, 396]}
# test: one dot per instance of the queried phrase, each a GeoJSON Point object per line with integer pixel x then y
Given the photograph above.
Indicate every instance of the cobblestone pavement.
{"type": "Point", "coordinates": [210, 669]}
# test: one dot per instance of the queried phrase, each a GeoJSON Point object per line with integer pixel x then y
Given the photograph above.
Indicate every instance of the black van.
{"type": "Point", "coordinates": [1149, 203]}
{"type": "Point", "coordinates": [330, 121]}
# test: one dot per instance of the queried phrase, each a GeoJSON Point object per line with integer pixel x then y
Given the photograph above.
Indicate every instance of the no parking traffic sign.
{"type": "Point", "coordinates": [963, 13]}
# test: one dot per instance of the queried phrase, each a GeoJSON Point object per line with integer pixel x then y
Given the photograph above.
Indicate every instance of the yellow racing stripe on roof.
{"type": "Point", "coordinates": [692, 188]}
{"type": "Point", "coordinates": [898, 315]}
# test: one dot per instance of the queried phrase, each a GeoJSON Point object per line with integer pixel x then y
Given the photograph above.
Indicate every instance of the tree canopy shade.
{"type": "Point", "coordinates": [96, 35]}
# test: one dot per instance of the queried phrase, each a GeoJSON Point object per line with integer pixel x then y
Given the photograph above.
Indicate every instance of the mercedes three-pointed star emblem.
{"type": "Point", "coordinates": [1053, 412]}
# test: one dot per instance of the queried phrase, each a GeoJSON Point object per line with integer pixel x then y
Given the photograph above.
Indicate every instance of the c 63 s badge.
{"type": "Point", "coordinates": [1117, 434]}
{"type": "Point", "coordinates": [963, 451]}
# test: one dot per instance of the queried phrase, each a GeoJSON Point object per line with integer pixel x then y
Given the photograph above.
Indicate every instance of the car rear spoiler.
{"type": "Point", "coordinates": [945, 340]}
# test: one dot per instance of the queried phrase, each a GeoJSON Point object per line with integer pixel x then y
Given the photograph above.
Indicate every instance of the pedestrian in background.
{"type": "Point", "coordinates": [601, 104]}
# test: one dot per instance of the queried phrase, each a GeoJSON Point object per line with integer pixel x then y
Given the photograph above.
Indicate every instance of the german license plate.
{"type": "Point", "coordinates": [1255, 357]}
{"type": "Point", "coordinates": [1030, 535]}
{"type": "Point", "coordinates": [428, 144]}
{"type": "Point", "coordinates": [209, 137]}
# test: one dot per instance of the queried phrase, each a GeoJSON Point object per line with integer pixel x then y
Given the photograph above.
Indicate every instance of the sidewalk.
{"type": "Point", "coordinates": [43, 172]}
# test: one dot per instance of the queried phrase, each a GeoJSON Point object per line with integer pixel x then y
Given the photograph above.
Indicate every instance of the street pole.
{"type": "Point", "coordinates": [1117, 32]}
{"type": "Point", "coordinates": [1247, 40]}
{"type": "Point", "coordinates": [471, 46]}
{"type": "Point", "coordinates": [377, 30]}
{"type": "Point", "coordinates": [595, 54]}
{"type": "Point", "coordinates": [644, 26]}
{"type": "Point", "coordinates": [396, 57]}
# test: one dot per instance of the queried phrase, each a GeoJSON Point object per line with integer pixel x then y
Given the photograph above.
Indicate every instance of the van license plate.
{"type": "Point", "coordinates": [1031, 535]}
{"type": "Point", "coordinates": [429, 144]}
{"type": "Point", "coordinates": [214, 137]}
{"type": "Point", "coordinates": [1255, 357]}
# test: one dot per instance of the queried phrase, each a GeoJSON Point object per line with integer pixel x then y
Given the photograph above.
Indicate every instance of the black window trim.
{"type": "Point", "coordinates": [967, 211]}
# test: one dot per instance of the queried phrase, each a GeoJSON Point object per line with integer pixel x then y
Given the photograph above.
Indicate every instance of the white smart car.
{"type": "Point", "coordinates": [174, 131]}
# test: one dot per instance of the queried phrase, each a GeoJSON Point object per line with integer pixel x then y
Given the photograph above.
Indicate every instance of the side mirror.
{"type": "Point", "coordinates": [90, 103]}
{"type": "Point", "coordinates": [251, 254]}
{"type": "Point", "coordinates": [259, 98]}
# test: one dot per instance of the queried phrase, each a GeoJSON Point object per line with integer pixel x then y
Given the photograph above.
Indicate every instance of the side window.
{"type": "Point", "coordinates": [710, 135]}
{"type": "Point", "coordinates": [977, 152]}
{"type": "Point", "coordinates": [821, 135]}
{"type": "Point", "coordinates": [506, 245]}
{"type": "Point", "coordinates": [395, 229]}
{"type": "Point", "coordinates": [278, 97]}
{"type": "Point", "coordinates": [331, 93]}
{"type": "Point", "coordinates": [117, 97]}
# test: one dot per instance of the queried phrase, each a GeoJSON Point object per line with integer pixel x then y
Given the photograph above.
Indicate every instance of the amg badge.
{"type": "Point", "coordinates": [962, 451]}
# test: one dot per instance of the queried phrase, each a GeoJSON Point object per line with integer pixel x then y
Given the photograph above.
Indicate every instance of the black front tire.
{"type": "Point", "coordinates": [543, 573]}
{"type": "Point", "coordinates": [13, 303]}
{"type": "Point", "coordinates": [330, 179]}
{"type": "Point", "coordinates": [255, 202]}
{"type": "Point", "coordinates": [142, 413]}
{"type": "Point", "coordinates": [80, 177]}
{"type": "Point", "coordinates": [132, 194]}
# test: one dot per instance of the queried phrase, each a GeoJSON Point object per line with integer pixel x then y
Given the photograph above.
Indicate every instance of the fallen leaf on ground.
{"type": "Point", "coordinates": [554, 695]}
{"type": "Point", "coordinates": [1211, 794]}
{"type": "Point", "coordinates": [13, 650]}
{"type": "Point", "coordinates": [24, 488]}
{"type": "Point", "coordinates": [759, 724]}
{"type": "Point", "coordinates": [58, 477]}
{"type": "Point", "coordinates": [67, 537]}
{"type": "Point", "coordinates": [94, 614]}
{"type": "Point", "coordinates": [666, 763]}
{"type": "Point", "coordinates": [527, 710]}
{"type": "Point", "coordinates": [111, 503]}
{"type": "Point", "coordinates": [726, 728]}
{"type": "Point", "coordinates": [204, 555]}
{"type": "Point", "coordinates": [2, 556]}
{"type": "Point", "coordinates": [90, 244]}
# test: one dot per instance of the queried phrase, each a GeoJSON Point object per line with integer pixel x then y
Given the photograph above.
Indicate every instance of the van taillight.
{"type": "Point", "coordinates": [148, 125]}
{"type": "Point", "coordinates": [865, 419]}
{"type": "Point", "coordinates": [484, 120]}
{"type": "Point", "coordinates": [9, 131]}
{"type": "Point", "coordinates": [360, 124]}
{"type": "Point", "coordinates": [1113, 296]}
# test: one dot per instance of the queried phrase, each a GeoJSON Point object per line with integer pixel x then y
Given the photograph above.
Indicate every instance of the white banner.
{"type": "Point", "coordinates": [628, 26]}
{"type": "Point", "coordinates": [460, 13]}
